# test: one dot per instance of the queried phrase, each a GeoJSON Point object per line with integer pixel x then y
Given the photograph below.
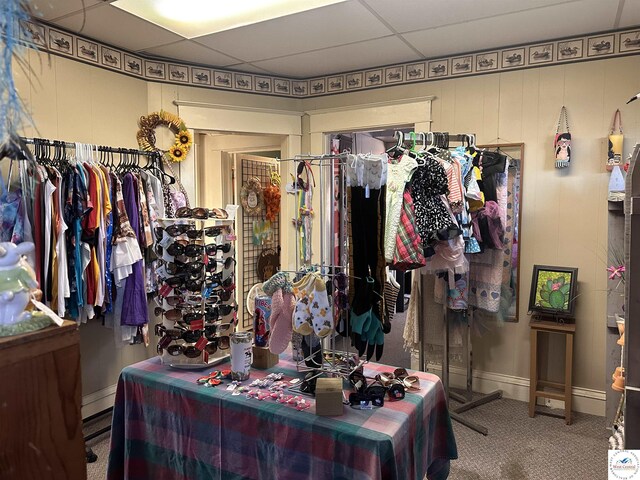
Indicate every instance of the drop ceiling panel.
{"type": "Point", "coordinates": [411, 15]}
{"type": "Point", "coordinates": [112, 25]}
{"type": "Point", "coordinates": [515, 28]}
{"type": "Point", "coordinates": [630, 14]}
{"type": "Point", "coordinates": [316, 29]}
{"type": "Point", "coordinates": [48, 10]}
{"type": "Point", "coordinates": [189, 51]}
{"type": "Point", "coordinates": [382, 51]}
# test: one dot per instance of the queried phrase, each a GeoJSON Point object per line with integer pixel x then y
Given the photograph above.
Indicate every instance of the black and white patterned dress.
{"type": "Point", "coordinates": [428, 184]}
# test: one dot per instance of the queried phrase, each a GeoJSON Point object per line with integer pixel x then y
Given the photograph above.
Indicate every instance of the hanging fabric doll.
{"type": "Point", "coordinates": [562, 141]}
{"type": "Point", "coordinates": [614, 151]}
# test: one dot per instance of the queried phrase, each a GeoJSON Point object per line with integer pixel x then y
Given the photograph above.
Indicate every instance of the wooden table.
{"type": "Point", "coordinates": [562, 391]}
{"type": "Point", "coordinates": [40, 400]}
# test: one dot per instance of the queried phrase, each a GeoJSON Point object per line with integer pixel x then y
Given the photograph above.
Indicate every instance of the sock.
{"type": "Point", "coordinates": [321, 315]}
{"type": "Point", "coordinates": [281, 330]}
{"type": "Point", "coordinates": [302, 321]}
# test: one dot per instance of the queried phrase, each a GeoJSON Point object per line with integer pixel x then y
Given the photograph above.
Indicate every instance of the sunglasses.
{"type": "Point", "coordinates": [227, 263]}
{"type": "Point", "coordinates": [360, 400]}
{"type": "Point", "coordinates": [218, 311]}
{"type": "Point", "coordinates": [212, 248]}
{"type": "Point", "coordinates": [174, 314]}
{"type": "Point", "coordinates": [221, 343]}
{"type": "Point", "coordinates": [219, 295]}
{"type": "Point", "coordinates": [189, 230]}
{"type": "Point", "coordinates": [192, 285]}
{"type": "Point", "coordinates": [190, 250]}
{"type": "Point", "coordinates": [176, 267]}
{"type": "Point", "coordinates": [210, 331]}
{"type": "Point", "coordinates": [189, 352]}
{"type": "Point", "coordinates": [215, 281]}
{"type": "Point", "coordinates": [201, 213]}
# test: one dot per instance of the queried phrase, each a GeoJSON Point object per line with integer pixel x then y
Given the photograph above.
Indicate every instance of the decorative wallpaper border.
{"type": "Point", "coordinates": [575, 49]}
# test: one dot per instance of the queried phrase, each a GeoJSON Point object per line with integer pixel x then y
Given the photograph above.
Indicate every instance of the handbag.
{"type": "Point", "coordinates": [562, 141]}
{"type": "Point", "coordinates": [408, 252]}
{"type": "Point", "coordinates": [614, 151]}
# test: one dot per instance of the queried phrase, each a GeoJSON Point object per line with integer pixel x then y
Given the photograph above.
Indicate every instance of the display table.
{"type": "Point", "coordinates": [167, 427]}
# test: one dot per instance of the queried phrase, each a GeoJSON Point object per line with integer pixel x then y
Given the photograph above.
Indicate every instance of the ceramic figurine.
{"type": "Point", "coordinates": [17, 280]}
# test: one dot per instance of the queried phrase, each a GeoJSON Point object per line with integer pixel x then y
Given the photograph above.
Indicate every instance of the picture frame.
{"type": "Point", "coordinates": [487, 61]}
{"type": "Point", "coordinates": [154, 70]}
{"type": "Point", "coordinates": [570, 50]}
{"type": "Point", "coordinates": [438, 68]}
{"type": "Point", "coordinates": [553, 290]}
{"type": "Point", "coordinates": [222, 79]}
{"type": "Point", "coordinates": [602, 45]}
{"type": "Point", "coordinates": [263, 84]}
{"type": "Point", "coordinates": [281, 86]}
{"type": "Point", "coordinates": [630, 41]}
{"type": "Point", "coordinates": [243, 82]}
{"type": "Point", "coordinates": [373, 78]}
{"type": "Point", "coordinates": [60, 42]}
{"type": "Point", "coordinates": [513, 58]}
{"type": "Point", "coordinates": [541, 53]}
{"type": "Point", "coordinates": [393, 74]}
{"type": "Point", "coordinates": [86, 50]}
{"type": "Point", "coordinates": [34, 33]}
{"type": "Point", "coordinates": [201, 76]}
{"type": "Point", "coordinates": [111, 58]}
{"type": "Point", "coordinates": [132, 64]}
{"type": "Point", "coordinates": [461, 65]}
{"type": "Point", "coordinates": [299, 87]}
{"type": "Point", "coordinates": [335, 84]}
{"type": "Point", "coordinates": [354, 80]}
{"type": "Point", "coordinates": [178, 73]}
{"type": "Point", "coordinates": [318, 86]}
{"type": "Point", "coordinates": [415, 71]}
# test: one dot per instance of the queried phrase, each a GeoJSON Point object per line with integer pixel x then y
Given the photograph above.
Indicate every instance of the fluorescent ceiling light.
{"type": "Point", "coordinates": [195, 18]}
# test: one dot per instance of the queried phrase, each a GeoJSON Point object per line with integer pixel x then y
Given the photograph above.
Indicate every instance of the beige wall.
{"type": "Point", "coordinates": [564, 212]}
{"type": "Point", "coordinates": [72, 101]}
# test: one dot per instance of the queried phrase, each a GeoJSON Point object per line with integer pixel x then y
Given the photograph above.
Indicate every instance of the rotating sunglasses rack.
{"type": "Point", "coordinates": [204, 359]}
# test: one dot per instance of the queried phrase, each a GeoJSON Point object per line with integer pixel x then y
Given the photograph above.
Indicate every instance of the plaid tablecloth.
{"type": "Point", "coordinates": [167, 427]}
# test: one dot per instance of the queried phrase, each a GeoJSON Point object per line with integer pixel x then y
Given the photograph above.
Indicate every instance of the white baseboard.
{"type": "Point", "coordinates": [585, 400]}
{"type": "Point", "coordinates": [98, 401]}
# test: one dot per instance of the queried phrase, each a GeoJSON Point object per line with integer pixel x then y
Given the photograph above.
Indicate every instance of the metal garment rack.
{"type": "Point", "coordinates": [53, 143]}
{"type": "Point", "coordinates": [467, 402]}
{"type": "Point", "coordinates": [327, 268]}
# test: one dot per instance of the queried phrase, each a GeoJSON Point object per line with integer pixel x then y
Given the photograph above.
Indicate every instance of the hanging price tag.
{"type": "Point", "coordinates": [197, 325]}
{"type": "Point", "coordinates": [47, 311]}
{"type": "Point", "coordinates": [201, 343]}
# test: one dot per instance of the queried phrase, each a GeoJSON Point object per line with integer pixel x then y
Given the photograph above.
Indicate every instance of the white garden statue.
{"type": "Point", "coordinates": [17, 285]}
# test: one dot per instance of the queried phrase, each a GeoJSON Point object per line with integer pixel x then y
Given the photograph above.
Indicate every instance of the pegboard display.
{"type": "Point", "coordinates": [250, 251]}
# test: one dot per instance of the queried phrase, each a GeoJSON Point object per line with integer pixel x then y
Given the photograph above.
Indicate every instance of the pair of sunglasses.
{"type": "Point", "coordinates": [189, 250]}
{"type": "Point", "coordinates": [216, 343]}
{"type": "Point", "coordinates": [363, 400]}
{"type": "Point", "coordinates": [216, 281]}
{"type": "Point", "coordinates": [193, 285]}
{"type": "Point", "coordinates": [201, 213]}
{"type": "Point", "coordinates": [183, 301]}
{"type": "Point", "coordinates": [210, 331]}
{"type": "Point", "coordinates": [227, 263]}
{"type": "Point", "coordinates": [212, 248]}
{"type": "Point", "coordinates": [218, 294]}
{"type": "Point", "coordinates": [189, 230]}
{"type": "Point", "coordinates": [188, 351]}
{"type": "Point", "coordinates": [177, 267]}
{"type": "Point", "coordinates": [174, 314]}
{"type": "Point", "coordinates": [177, 333]}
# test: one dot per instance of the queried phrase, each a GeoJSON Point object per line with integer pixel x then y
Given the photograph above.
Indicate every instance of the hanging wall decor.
{"type": "Point", "coordinates": [272, 196]}
{"type": "Point", "coordinates": [267, 264]}
{"type": "Point", "coordinates": [562, 141]}
{"type": "Point", "coordinates": [251, 197]}
{"type": "Point", "coordinates": [614, 150]}
{"type": "Point", "coordinates": [147, 137]}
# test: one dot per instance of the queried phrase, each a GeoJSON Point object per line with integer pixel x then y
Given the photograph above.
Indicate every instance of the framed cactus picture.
{"type": "Point", "coordinates": [553, 290]}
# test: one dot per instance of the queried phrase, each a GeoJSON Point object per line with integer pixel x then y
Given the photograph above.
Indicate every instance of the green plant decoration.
{"type": "Point", "coordinates": [554, 293]}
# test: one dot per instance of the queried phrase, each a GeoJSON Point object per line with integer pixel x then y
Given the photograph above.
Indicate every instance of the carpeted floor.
{"type": "Point", "coordinates": [517, 447]}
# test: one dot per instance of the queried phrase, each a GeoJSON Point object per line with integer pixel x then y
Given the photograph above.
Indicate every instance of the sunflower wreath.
{"type": "Point", "coordinates": [147, 136]}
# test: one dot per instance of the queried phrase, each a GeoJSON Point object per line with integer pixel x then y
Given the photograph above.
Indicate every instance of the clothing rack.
{"type": "Point", "coordinates": [100, 148]}
{"type": "Point", "coordinates": [467, 402]}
